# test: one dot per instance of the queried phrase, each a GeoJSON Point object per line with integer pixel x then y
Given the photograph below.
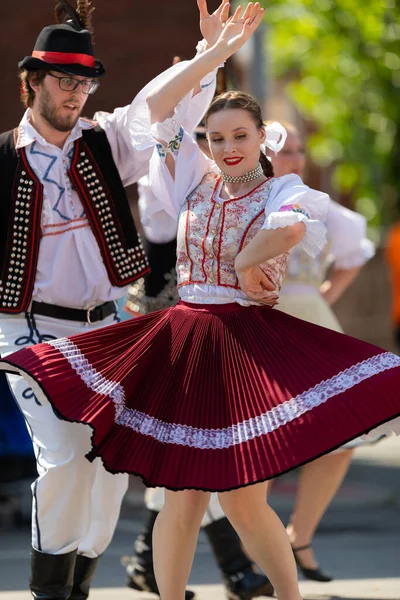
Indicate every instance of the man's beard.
{"type": "Point", "coordinates": [49, 112]}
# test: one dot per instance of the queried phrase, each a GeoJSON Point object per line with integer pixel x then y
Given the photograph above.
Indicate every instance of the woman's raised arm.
{"type": "Point", "coordinates": [235, 32]}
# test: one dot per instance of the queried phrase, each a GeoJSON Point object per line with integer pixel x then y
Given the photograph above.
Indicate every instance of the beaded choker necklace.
{"type": "Point", "coordinates": [254, 174]}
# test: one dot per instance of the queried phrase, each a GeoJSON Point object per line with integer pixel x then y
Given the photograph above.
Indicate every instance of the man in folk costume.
{"type": "Point", "coordinates": [69, 248]}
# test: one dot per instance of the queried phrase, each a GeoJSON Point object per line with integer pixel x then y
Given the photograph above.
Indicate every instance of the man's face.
{"type": "Point", "coordinates": [61, 109]}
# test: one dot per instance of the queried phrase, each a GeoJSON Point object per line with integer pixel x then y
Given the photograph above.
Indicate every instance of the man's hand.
{"type": "Point", "coordinates": [257, 286]}
{"type": "Point", "coordinates": [211, 26]}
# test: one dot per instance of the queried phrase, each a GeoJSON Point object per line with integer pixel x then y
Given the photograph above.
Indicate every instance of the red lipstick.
{"type": "Point", "coordinates": [231, 162]}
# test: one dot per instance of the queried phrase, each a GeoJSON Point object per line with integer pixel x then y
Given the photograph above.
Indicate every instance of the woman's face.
{"type": "Point", "coordinates": [291, 159]}
{"type": "Point", "coordinates": [234, 141]}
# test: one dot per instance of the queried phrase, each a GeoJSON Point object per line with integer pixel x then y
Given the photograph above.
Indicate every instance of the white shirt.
{"type": "Point", "coordinates": [70, 270]}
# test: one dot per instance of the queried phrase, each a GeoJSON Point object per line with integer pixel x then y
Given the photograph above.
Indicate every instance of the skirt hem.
{"type": "Point", "coordinates": [8, 367]}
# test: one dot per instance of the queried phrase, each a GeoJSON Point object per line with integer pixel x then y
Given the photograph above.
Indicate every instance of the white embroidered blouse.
{"type": "Point", "coordinates": [212, 230]}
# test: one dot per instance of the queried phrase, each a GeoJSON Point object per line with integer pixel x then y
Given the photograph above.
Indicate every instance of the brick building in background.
{"type": "Point", "coordinates": [135, 40]}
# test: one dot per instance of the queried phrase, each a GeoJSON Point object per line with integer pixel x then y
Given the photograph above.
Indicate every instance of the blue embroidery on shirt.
{"type": "Point", "coordinates": [173, 145]}
{"type": "Point", "coordinates": [70, 155]}
{"type": "Point", "coordinates": [61, 190]}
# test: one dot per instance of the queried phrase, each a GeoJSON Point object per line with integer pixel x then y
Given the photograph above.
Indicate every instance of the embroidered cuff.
{"type": "Point", "coordinates": [173, 145]}
{"type": "Point", "coordinates": [314, 239]}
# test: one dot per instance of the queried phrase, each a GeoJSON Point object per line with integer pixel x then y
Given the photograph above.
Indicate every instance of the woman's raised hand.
{"type": "Point", "coordinates": [211, 26]}
{"type": "Point", "coordinates": [232, 33]}
{"type": "Point", "coordinates": [240, 27]}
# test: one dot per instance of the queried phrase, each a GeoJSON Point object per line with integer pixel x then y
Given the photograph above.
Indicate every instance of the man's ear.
{"type": "Point", "coordinates": [33, 82]}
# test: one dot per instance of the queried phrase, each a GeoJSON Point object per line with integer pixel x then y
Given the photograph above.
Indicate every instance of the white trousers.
{"type": "Point", "coordinates": [76, 504]}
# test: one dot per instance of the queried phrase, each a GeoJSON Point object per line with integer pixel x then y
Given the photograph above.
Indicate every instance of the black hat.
{"type": "Point", "coordinates": [67, 47]}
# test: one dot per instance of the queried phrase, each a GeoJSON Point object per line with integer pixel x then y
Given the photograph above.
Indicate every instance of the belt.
{"type": "Point", "coordinates": [90, 315]}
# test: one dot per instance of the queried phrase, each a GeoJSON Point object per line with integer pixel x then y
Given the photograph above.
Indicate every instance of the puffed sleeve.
{"type": "Point", "coordinates": [128, 128]}
{"type": "Point", "coordinates": [349, 246]}
{"type": "Point", "coordinates": [158, 226]}
{"type": "Point", "coordinates": [191, 164]}
{"type": "Point", "coordinates": [291, 201]}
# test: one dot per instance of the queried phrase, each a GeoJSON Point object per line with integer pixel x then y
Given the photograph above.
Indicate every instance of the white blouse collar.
{"type": "Point", "coordinates": [27, 134]}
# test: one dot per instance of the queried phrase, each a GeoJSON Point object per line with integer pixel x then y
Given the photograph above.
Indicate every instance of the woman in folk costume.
{"type": "Point", "coordinates": [158, 290]}
{"type": "Point", "coordinates": [304, 294]}
{"type": "Point", "coordinates": [221, 392]}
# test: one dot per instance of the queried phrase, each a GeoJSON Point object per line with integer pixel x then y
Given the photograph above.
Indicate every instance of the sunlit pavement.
{"type": "Point", "coordinates": [358, 541]}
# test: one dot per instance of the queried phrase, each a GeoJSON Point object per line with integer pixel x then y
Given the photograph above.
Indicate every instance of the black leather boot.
{"type": "Point", "coordinates": [139, 568]}
{"type": "Point", "coordinates": [240, 579]}
{"type": "Point", "coordinates": [52, 575]}
{"type": "Point", "coordinates": [83, 575]}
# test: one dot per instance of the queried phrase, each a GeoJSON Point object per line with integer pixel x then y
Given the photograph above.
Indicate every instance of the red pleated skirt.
{"type": "Point", "coordinates": [214, 397]}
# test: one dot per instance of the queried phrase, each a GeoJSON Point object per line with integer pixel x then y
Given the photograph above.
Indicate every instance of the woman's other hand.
{"type": "Point", "coordinates": [257, 286]}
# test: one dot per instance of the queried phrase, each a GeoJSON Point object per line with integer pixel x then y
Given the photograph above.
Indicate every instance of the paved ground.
{"type": "Point", "coordinates": [358, 541]}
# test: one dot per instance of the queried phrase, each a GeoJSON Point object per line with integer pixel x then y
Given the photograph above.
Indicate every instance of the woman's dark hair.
{"type": "Point", "coordinates": [236, 99]}
{"type": "Point", "coordinates": [27, 93]}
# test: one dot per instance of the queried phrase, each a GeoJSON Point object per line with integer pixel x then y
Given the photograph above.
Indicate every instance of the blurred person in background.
{"type": "Point", "coordinates": [308, 292]}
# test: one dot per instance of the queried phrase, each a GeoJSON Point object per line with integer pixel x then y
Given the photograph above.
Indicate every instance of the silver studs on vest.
{"type": "Point", "coordinates": [12, 286]}
{"type": "Point", "coordinates": [128, 262]}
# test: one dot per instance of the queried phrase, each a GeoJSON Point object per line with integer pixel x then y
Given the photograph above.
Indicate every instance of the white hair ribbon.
{"type": "Point", "coordinates": [275, 138]}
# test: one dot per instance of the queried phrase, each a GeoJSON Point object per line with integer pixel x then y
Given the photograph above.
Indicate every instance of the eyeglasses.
{"type": "Point", "coordinates": [70, 84]}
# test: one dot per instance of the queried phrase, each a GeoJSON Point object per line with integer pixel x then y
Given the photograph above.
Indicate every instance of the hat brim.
{"type": "Point", "coordinates": [30, 63]}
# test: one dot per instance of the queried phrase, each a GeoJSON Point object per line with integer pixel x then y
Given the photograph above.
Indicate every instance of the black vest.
{"type": "Point", "coordinates": [100, 189]}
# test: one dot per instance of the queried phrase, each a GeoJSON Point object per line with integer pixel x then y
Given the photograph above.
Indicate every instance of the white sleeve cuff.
{"type": "Point", "coordinates": [314, 239]}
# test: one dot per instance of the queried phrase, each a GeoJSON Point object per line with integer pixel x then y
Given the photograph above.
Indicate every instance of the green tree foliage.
{"type": "Point", "coordinates": [341, 59]}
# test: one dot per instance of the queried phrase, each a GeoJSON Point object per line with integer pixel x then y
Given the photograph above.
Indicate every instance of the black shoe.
{"type": "Point", "coordinates": [247, 584]}
{"type": "Point", "coordinates": [240, 580]}
{"type": "Point", "coordinates": [52, 575]}
{"type": "Point", "coordinates": [313, 574]}
{"type": "Point", "coordinates": [139, 568]}
{"type": "Point", "coordinates": [84, 572]}
{"type": "Point", "coordinates": [144, 581]}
